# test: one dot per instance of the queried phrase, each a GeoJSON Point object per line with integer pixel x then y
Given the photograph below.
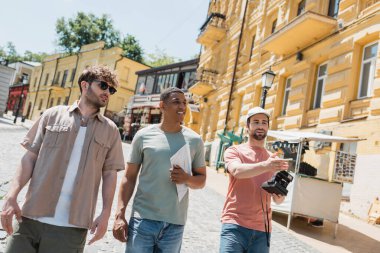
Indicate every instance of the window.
{"type": "Point", "coordinates": [58, 77]}
{"type": "Point", "coordinates": [140, 87]}
{"type": "Point", "coordinates": [188, 80]}
{"type": "Point", "coordinates": [65, 74]}
{"type": "Point", "coordinates": [72, 74]}
{"type": "Point", "coordinates": [252, 46]}
{"type": "Point", "coordinates": [46, 78]}
{"type": "Point", "coordinates": [149, 84]}
{"type": "Point", "coordinates": [319, 86]}
{"type": "Point", "coordinates": [51, 102]}
{"type": "Point", "coordinates": [67, 100]}
{"type": "Point", "coordinates": [160, 84]}
{"type": "Point", "coordinates": [274, 24]}
{"type": "Point", "coordinates": [333, 8]}
{"type": "Point", "coordinates": [367, 73]}
{"type": "Point", "coordinates": [40, 105]}
{"type": "Point", "coordinates": [286, 95]}
{"type": "Point", "coordinates": [301, 7]}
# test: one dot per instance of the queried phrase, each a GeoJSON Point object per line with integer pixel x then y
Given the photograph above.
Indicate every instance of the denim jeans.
{"type": "Point", "coordinates": [236, 239]}
{"type": "Point", "coordinates": [148, 236]}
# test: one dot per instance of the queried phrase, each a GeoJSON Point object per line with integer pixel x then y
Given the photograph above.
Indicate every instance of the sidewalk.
{"type": "Point", "coordinates": [6, 122]}
{"type": "Point", "coordinates": [353, 235]}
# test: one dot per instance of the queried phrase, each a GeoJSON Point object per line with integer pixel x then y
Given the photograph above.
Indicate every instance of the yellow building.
{"type": "Point", "coordinates": [325, 55]}
{"type": "Point", "coordinates": [55, 82]}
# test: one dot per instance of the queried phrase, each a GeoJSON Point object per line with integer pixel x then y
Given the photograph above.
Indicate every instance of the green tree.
{"type": "Point", "coordinates": [131, 48]}
{"type": "Point", "coordinates": [85, 29]}
{"type": "Point", "coordinates": [160, 58]}
{"type": "Point", "coordinates": [10, 53]}
{"type": "Point", "coordinates": [36, 57]}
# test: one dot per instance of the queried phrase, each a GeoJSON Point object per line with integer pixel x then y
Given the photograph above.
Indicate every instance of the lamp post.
{"type": "Point", "coordinates": [24, 83]}
{"type": "Point", "coordinates": [266, 82]}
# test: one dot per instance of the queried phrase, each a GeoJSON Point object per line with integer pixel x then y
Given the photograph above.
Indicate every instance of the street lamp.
{"type": "Point", "coordinates": [24, 83]}
{"type": "Point", "coordinates": [266, 82]}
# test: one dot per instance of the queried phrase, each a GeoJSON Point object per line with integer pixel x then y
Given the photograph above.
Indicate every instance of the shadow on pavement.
{"type": "Point", "coordinates": [347, 238]}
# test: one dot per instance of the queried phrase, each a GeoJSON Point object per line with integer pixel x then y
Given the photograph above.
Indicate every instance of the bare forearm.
{"type": "Point", "coordinates": [125, 193]}
{"type": "Point", "coordinates": [247, 170]}
{"type": "Point", "coordinates": [23, 175]}
{"type": "Point", "coordinates": [196, 181]}
{"type": "Point", "coordinates": [108, 190]}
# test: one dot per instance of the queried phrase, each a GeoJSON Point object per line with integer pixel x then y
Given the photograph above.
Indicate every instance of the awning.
{"type": "Point", "coordinates": [292, 136]}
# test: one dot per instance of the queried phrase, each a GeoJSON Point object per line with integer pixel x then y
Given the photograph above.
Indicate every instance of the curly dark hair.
{"type": "Point", "coordinates": [97, 72]}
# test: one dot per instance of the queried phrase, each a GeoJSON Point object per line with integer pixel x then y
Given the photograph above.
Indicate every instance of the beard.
{"type": "Point", "coordinates": [258, 136]}
{"type": "Point", "coordinates": [93, 100]}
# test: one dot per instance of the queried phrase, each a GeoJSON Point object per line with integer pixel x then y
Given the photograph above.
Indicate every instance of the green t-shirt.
{"type": "Point", "coordinates": [156, 196]}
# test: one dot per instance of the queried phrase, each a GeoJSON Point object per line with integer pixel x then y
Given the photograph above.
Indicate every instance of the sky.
{"type": "Point", "coordinates": [170, 25]}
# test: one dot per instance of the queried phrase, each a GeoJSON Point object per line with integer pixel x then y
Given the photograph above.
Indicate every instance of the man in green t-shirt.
{"type": "Point", "coordinates": [160, 205]}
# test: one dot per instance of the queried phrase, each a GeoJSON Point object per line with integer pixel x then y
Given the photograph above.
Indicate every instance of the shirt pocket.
{"type": "Point", "coordinates": [56, 135]}
{"type": "Point", "coordinates": [101, 147]}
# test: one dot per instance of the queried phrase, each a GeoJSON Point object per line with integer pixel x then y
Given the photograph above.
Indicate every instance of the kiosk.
{"type": "Point", "coordinates": [310, 196]}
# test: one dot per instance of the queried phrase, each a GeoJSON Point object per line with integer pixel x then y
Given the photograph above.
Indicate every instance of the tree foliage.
{"type": "Point", "coordinates": [85, 29]}
{"type": "Point", "coordinates": [9, 52]}
{"type": "Point", "coordinates": [131, 48]}
{"type": "Point", "coordinates": [160, 58]}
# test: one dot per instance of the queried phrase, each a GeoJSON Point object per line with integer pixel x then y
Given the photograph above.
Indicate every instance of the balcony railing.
{"type": "Point", "coordinates": [213, 30]}
{"type": "Point", "coordinates": [206, 80]}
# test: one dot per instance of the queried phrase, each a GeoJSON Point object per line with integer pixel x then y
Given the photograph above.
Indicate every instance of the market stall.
{"type": "Point", "coordinates": [310, 195]}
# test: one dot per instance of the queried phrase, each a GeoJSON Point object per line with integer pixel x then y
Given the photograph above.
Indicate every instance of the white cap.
{"type": "Point", "coordinates": [256, 110]}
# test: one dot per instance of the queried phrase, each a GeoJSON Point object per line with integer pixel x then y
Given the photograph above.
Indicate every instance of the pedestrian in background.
{"type": "Point", "coordinates": [69, 150]}
{"type": "Point", "coordinates": [246, 217]}
{"type": "Point", "coordinates": [158, 212]}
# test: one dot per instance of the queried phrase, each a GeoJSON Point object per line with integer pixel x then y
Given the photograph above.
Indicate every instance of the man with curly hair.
{"type": "Point", "coordinates": [70, 149]}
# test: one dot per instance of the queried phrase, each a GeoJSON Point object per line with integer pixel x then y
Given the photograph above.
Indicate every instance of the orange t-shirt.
{"type": "Point", "coordinates": [243, 202]}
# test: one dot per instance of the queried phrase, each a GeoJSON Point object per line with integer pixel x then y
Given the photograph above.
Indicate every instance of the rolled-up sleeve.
{"type": "Point", "coordinates": [35, 136]}
{"type": "Point", "coordinates": [114, 158]}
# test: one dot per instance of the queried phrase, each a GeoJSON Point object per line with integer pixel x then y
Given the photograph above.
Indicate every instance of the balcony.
{"type": "Point", "coordinates": [299, 33]}
{"type": "Point", "coordinates": [205, 83]}
{"type": "Point", "coordinates": [213, 30]}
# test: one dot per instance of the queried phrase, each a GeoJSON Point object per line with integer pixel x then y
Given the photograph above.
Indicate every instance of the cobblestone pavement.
{"type": "Point", "coordinates": [202, 228]}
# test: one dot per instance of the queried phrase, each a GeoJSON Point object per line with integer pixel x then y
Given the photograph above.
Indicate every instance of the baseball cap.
{"type": "Point", "coordinates": [256, 110]}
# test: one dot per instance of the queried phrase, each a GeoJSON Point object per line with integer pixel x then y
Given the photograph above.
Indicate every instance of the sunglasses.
{"type": "Point", "coordinates": [104, 86]}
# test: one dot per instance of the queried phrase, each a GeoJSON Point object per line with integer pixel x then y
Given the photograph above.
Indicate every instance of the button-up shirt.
{"type": "Point", "coordinates": [52, 138]}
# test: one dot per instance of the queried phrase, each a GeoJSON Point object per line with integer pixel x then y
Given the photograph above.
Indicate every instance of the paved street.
{"type": "Point", "coordinates": [202, 229]}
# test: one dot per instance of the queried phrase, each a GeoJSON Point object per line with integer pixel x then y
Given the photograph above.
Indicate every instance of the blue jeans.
{"type": "Point", "coordinates": [235, 239]}
{"type": "Point", "coordinates": [148, 236]}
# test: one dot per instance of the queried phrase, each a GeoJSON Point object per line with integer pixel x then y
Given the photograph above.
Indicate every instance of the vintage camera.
{"type": "Point", "coordinates": [278, 183]}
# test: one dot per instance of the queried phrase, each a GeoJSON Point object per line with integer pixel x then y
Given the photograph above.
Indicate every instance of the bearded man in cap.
{"type": "Point", "coordinates": [246, 216]}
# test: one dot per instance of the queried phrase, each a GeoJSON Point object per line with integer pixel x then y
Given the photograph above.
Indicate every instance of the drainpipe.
{"type": "Point", "coordinates": [233, 81]}
{"type": "Point", "coordinates": [38, 89]}
{"type": "Point", "coordinates": [72, 82]}
{"type": "Point", "coordinates": [235, 67]}
{"type": "Point", "coordinates": [52, 83]}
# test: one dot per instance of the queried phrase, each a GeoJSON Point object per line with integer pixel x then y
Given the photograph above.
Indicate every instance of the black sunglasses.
{"type": "Point", "coordinates": [104, 86]}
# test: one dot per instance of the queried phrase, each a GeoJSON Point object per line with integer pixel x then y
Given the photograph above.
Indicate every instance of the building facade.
{"type": "Point", "coordinates": [18, 91]}
{"type": "Point", "coordinates": [55, 82]}
{"type": "Point", "coordinates": [6, 76]}
{"type": "Point", "coordinates": [143, 108]}
{"type": "Point", "coordinates": [325, 55]}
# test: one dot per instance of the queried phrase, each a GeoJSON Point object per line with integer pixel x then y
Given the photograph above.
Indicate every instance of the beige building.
{"type": "Point", "coordinates": [325, 55]}
{"type": "Point", "coordinates": [55, 82]}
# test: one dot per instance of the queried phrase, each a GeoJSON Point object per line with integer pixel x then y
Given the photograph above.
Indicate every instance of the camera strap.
{"type": "Point", "coordinates": [265, 217]}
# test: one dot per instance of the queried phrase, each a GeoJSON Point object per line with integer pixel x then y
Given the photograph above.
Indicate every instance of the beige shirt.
{"type": "Point", "coordinates": [52, 138]}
